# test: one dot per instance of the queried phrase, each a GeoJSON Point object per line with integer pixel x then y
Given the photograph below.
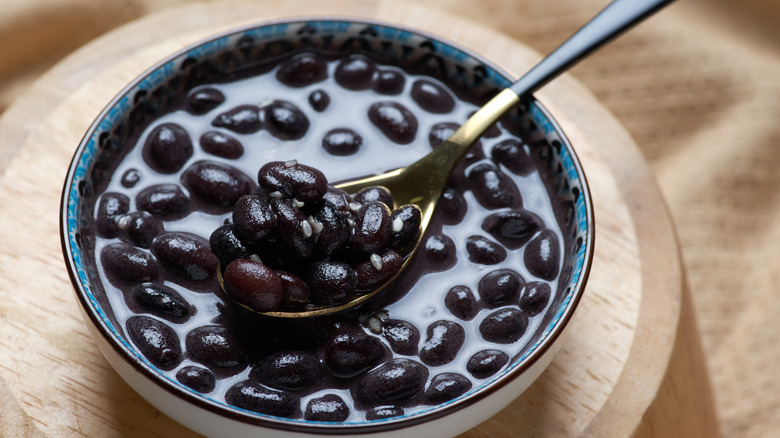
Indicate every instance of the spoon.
{"type": "Point", "coordinates": [422, 182]}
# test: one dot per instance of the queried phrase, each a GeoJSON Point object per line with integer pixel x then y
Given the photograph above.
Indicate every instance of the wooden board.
{"type": "Point", "coordinates": [624, 368]}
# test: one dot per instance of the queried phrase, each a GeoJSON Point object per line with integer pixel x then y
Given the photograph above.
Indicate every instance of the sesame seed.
{"type": "Point", "coordinates": [374, 324]}
{"type": "Point", "coordinates": [398, 224]}
{"type": "Point", "coordinates": [307, 231]}
{"type": "Point", "coordinates": [376, 261]}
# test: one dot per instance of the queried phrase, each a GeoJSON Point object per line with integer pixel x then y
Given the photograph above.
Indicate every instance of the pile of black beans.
{"type": "Point", "coordinates": [305, 242]}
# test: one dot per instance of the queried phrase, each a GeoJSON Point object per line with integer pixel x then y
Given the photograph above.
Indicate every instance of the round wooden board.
{"type": "Point", "coordinates": [53, 379]}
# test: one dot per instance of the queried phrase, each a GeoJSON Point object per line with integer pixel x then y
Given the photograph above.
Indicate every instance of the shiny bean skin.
{"type": "Point", "coordinates": [395, 121]}
{"type": "Point", "coordinates": [294, 180]}
{"type": "Point", "coordinates": [186, 254]}
{"type": "Point", "coordinates": [156, 340]}
{"type": "Point", "coordinates": [167, 148]}
{"type": "Point", "coordinates": [397, 380]}
{"type": "Point", "coordinates": [443, 342]}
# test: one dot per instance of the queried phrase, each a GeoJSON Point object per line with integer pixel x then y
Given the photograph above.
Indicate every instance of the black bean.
{"type": "Point", "coordinates": [402, 336]}
{"type": "Point", "coordinates": [336, 230]}
{"type": "Point", "coordinates": [369, 276]}
{"type": "Point", "coordinates": [166, 201]}
{"type": "Point", "coordinates": [294, 289]}
{"type": "Point", "coordinates": [439, 252]}
{"type": "Point", "coordinates": [486, 363]}
{"type": "Point", "coordinates": [204, 99]}
{"type": "Point", "coordinates": [443, 342]}
{"type": "Point", "coordinates": [406, 226]}
{"type": "Point", "coordinates": [484, 251]}
{"type": "Point", "coordinates": [186, 254]}
{"type": "Point", "coordinates": [160, 300]}
{"type": "Point", "coordinates": [342, 142]}
{"type": "Point", "coordinates": [302, 69]}
{"type": "Point", "coordinates": [440, 132]}
{"type": "Point", "coordinates": [243, 119]}
{"type": "Point", "coordinates": [319, 100]}
{"type": "Point", "coordinates": [224, 243]}
{"type": "Point", "coordinates": [216, 347]}
{"type": "Point", "coordinates": [512, 155]}
{"type": "Point", "coordinates": [285, 121]}
{"type": "Point", "coordinates": [542, 255]}
{"type": "Point", "coordinates": [221, 145]}
{"type": "Point", "coordinates": [197, 378]}
{"type": "Point", "coordinates": [217, 183]}
{"type": "Point", "coordinates": [253, 218]}
{"type": "Point", "coordinates": [130, 178]}
{"type": "Point", "coordinates": [396, 380]}
{"type": "Point", "coordinates": [512, 228]}
{"type": "Point", "coordinates": [373, 228]}
{"type": "Point", "coordinates": [395, 121]}
{"type": "Point", "coordinates": [355, 72]}
{"type": "Point", "coordinates": [331, 282]}
{"type": "Point", "coordinates": [334, 325]}
{"type": "Point", "coordinates": [504, 326]}
{"type": "Point", "coordinates": [492, 188]}
{"type": "Point", "coordinates": [277, 253]}
{"type": "Point", "coordinates": [257, 398]}
{"type": "Point", "coordinates": [128, 263]}
{"type": "Point", "coordinates": [141, 228]}
{"type": "Point", "coordinates": [348, 355]}
{"type": "Point", "coordinates": [452, 207]}
{"type": "Point", "coordinates": [110, 207]}
{"type": "Point", "coordinates": [432, 97]}
{"type": "Point", "coordinates": [156, 340]}
{"type": "Point", "coordinates": [383, 412]}
{"type": "Point", "coordinates": [293, 227]}
{"type": "Point", "coordinates": [374, 194]}
{"type": "Point", "coordinates": [293, 179]}
{"type": "Point", "coordinates": [500, 286]}
{"type": "Point", "coordinates": [340, 199]}
{"type": "Point", "coordinates": [389, 82]}
{"type": "Point", "coordinates": [288, 369]}
{"type": "Point", "coordinates": [443, 131]}
{"type": "Point", "coordinates": [253, 284]}
{"type": "Point", "coordinates": [330, 408]}
{"type": "Point", "coordinates": [461, 302]}
{"type": "Point", "coordinates": [534, 298]}
{"type": "Point", "coordinates": [167, 148]}
{"type": "Point", "coordinates": [445, 387]}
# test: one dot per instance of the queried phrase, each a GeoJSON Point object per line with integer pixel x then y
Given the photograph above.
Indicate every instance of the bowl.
{"type": "Point", "coordinates": [476, 344]}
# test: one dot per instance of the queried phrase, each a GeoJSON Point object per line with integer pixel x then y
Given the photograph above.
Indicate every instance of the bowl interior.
{"type": "Point", "coordinates": [159, 90]}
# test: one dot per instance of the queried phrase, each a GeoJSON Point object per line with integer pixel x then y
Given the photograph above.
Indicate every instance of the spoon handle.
{"type": "Point", "coordinates": [614, 19]}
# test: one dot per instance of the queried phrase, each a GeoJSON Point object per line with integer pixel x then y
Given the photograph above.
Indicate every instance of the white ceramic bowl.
{"type": "Point", "coordinates": [139, 102]}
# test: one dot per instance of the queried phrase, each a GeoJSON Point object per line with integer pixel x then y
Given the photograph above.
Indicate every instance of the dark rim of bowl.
{"type": "Point", "coordinates": [521, 363]}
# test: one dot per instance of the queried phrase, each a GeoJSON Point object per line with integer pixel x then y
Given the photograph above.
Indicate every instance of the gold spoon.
{"type": "Point", "coordinates": [422, 182]}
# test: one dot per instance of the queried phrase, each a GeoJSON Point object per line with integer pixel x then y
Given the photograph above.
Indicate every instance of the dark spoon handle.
{"type": "Point", "coordinates": [614, 19]}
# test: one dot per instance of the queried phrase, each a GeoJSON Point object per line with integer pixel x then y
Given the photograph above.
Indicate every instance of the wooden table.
{"type": "Point", "coordinates": [631, 363]}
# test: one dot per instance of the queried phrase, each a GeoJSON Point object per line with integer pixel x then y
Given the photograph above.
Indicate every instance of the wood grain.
{"type": "Point", "coordinates": [614, 375]}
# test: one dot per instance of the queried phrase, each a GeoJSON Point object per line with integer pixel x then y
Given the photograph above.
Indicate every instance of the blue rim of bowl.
{"type": "Point", "coordinates": [563, 163]}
